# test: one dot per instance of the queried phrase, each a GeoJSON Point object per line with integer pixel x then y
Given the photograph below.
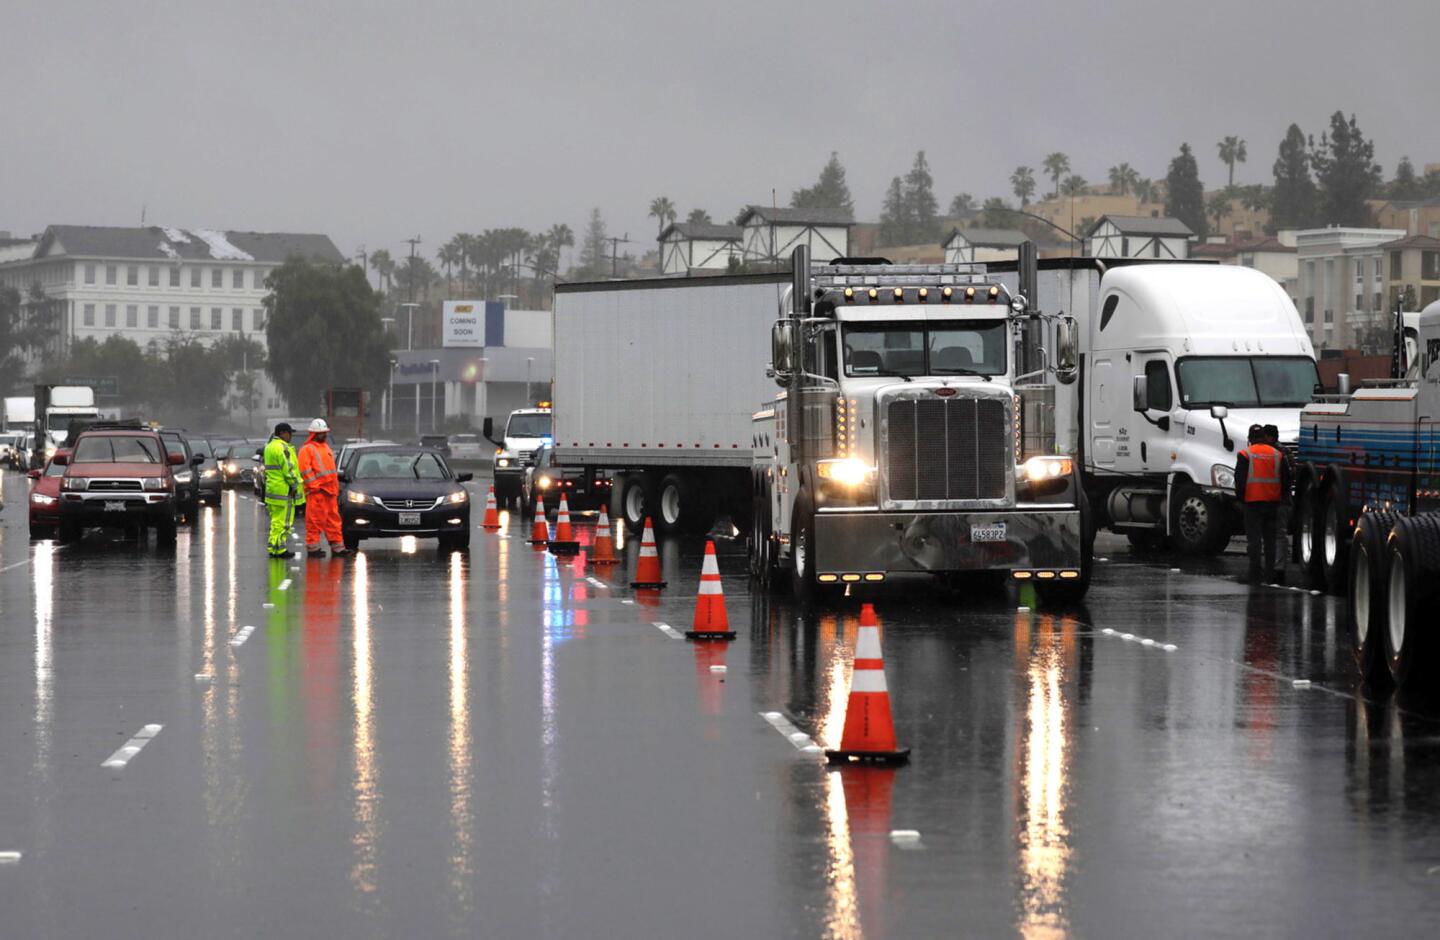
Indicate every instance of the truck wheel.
{"type": "Point", "coordinates": [1411, 636]}
{"type": "Point", "coordinates": [1335, 537]}
{"type": "Point", "coordinates": [1198, 525]}
{"type": "Point", "coordinates": [1308, 536]}
{"type": "Point", "coordinates": [763, 561]}
{"type": "Point", "coordinates": [635, 501]}
{"type": "Point", "coordinates": [803, 585]}
{"type": "Point", "coordinates": [1369, 584]}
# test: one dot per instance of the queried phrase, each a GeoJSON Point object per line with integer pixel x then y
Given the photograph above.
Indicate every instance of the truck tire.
{"type": "Point", "coordinates": [1198, 522]}
{"type": "Point", "coordinates": [1335, 535]}
{"type": "Point", "coordinates": [1369, 588]}
{"type": "Point", "coordinates": [635, 501]}
{"type": "Point", "coordinates": [1411, 636]}
{"type": "Point", "coordinates": [764, 563]}
{"type": "Point", "coordinates": [673, 504]}
{"type": "Point", "coordinates": [1307, 526]}
{"type": "Point", "coordinates": [803, 585]}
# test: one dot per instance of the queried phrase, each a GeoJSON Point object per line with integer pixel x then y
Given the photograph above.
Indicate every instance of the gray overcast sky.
{"type": "Point", "coordinates": [372, 121]}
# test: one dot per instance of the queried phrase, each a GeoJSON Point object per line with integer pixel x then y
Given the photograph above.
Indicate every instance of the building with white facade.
{"type": "Point", "coordinates": [770, 235]}
{"type": "Point", "coordinates": [1341, 288]}
{"type": "Point", "coordinates": [1137, 236]}
{"type": "Point", "coordinates": [147, 284]}
{"type": "Point", "coordinates": [687, 246]}
{"type": "Point", "coordinates": [983, 244]}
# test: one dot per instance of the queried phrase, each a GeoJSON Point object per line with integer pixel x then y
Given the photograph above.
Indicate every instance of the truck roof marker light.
{"type": "Point", "coordinates": [827, 578]}
{"type": "Point", "coordinates": [849, 578]}
{"type": "Point", "coordinates": [994, 294]}
{"type": "Point", "coordinates": [899, 294]}
{"type": "Point", "coordinates": [874, 576]}
{"type": "Point", "coordinates": [1069, 574]}
{"type": "Point", "coordinates": [873, 294]}
{"type": "Point", "coordinates": [924, 293]}
{"type": "Point", "coordinates": [969, 295]}
{"type": "Point", "coordinates": [1045, 575]}
{"type": "Point", "coordinates": [1021, 575]}
{"type": "Point", "coordinates": [945, 295]}
{"type": "Point", "coordinates": [849, 295]}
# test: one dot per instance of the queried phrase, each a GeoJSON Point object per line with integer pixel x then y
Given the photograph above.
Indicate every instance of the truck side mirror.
{"type": "Point", "coordinates": [1219, 411]}
{"type": "Point", "coordinates": [782, 350]}
{"type": "Point", "coordinates": [1067, 350]}
{"type": "Point", "coordinates": [196, 461]}
{"type": "Point", "coordinates": [1140, 394]}
{"type": "Point", "coordinates": [487, 430]}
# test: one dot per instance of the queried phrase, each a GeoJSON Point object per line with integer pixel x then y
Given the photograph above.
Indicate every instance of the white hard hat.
{"type": "Point", "coordinates": [318, 426]}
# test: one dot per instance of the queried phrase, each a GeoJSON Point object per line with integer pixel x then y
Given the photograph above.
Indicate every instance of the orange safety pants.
{"type": "Point", "coordinates": [322, 517]}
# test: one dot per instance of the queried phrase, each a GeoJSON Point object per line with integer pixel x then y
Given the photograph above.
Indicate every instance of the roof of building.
{"type": "Point", "coordinates": [1429, 203]}
{"type": "Point", "coordinates": [1144, 225]}
{"type": "Point", "coordinates": [1231, 249]}
{"type": "Point", "coordinates": [990, 237]}
{"type": "Point", "coordinates": [174, 244]}
{"type": "Point", "coordinates": [1414, 241]}
{"type": "Point", "coordinates": [788, 216]}
{"type": "Point", "coordinates": [702, 231]}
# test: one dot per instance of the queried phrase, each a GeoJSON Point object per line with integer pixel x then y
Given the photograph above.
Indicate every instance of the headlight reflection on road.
{"type": "Point", "coordinates": [1044, 832]}
{"type": "Point", "coordinates": [461, 814]}
{"type": "Point", "coordinates": [366, 791]}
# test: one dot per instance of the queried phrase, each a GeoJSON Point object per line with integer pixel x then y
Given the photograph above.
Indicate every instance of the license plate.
{"type": "Point", "coordinates": [988, 533]}
{"type": "Point", "coordinates": [409, 518]}
{"type": "Point", "coordinates": [114, 505]}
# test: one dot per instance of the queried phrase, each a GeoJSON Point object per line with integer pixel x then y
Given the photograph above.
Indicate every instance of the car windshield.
{"type": "Point", "coordinates": [200, 446]}
{"type": "Point", "coordinates": [1245, 381]}
{"type": "Point", "coordinates": [116, 449]}
{"type": "Point", "coordinates": [528, 425]}
{"type": "Point", "coordinates": [399, 465]}
{"type": "Point", "coordinates": [971, 347]}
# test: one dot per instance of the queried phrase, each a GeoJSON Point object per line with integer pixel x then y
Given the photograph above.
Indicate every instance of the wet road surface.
{"type": "Point", "coordinates": [506, 744]}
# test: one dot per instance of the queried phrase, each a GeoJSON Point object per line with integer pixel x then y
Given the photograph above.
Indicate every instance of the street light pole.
{"type": "Point", "coordinates": [390, 401]}
{"type": "Point", "coordinates": [409, 325]}
{"type": "Point", "coordinates": [434, 380]}
{"type": "Point", "coordinates": [529, 399]}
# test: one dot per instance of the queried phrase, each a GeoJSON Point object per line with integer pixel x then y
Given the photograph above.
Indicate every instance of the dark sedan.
{"type": "Point", "coordinates": [237, 464]}
{"type": "Point", "coordinates": [208, 472]}
{"type": "Point", "coordinates": [387, 492]}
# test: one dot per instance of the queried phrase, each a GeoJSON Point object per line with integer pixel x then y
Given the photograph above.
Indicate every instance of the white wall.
{"type": "Point", "coordinates": [528, 328]}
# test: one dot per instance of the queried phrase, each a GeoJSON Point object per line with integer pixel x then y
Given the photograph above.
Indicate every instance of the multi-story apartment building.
{"type": "Point", "coordinates": [1414, 271]}
{"type": "Point", "coordinates": [1342, 294]}
{"type": "Point", "coordinates": [150, 283]}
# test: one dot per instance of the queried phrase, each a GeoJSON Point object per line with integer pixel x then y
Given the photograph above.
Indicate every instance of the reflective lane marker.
{"type": "Point", "coordinates": [596, 582]}
{"type": "Point", "coordinates": [1142, 640]}
{"type": "Point", "coordinates": [668, 630]}
{"type": "Point", "coordinates": [1301, 683]}
{"type": "Point", "coordinates": [240, 637]}
{"type": "Point", "coordinates": [9, 858]}
{"type": "Point", "coordinates": [797, 738]}
{"type": "Point", "coordinates": [1021, 609]}
{"type": "Point", "coordinates": [718, 669]}
{"type": "Point", "coordinates": [283, 585]}
{"type": "Point", "coordinates": [204, 677]}
{"type": "Point", "coordinates": [906, 838]}
{"type": "Point", "coordinates": [132, 747]}
{"type": "Point", "coordinates": [1174, 570]}
{"type": "Point", "coordinates": [267, 605]}
{"type": "Point", "coordinates": [627, 601]}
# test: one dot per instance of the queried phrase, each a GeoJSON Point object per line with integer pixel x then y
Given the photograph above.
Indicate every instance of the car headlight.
{"type": "Point", "coordinates": [847, 471]}
{"type": "Point", "coordinates": [459, 496]}
{"type": "Point", "coordinates": [544, 482]}
{"type": "Point", "coordinates": [355, 496]}
{"type": "Point", "coordinates": [231, 468]}
{"type": "Point", "coordinates": [1038, 469]}
{"type": "Point", "coordinates": [152, 483]}
{"type": "Point", "coordinates": [184, 476]}
{"type": "Point", "coordinates": [1222, 476]}
{"type": "Point", "coordinates": [74, 483]}
{"type": "Point", "coordinates": [50, 452]}
{"type": "Point", "coordinates": [208, 474]}
{"type": "Point", "coordinates": [502, 461]}
{"type": "Point", "coordinates": [40, 499]}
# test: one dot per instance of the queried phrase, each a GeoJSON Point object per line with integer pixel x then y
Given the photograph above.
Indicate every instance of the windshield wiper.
{"type": "Point", "coordinates": [963, 371]}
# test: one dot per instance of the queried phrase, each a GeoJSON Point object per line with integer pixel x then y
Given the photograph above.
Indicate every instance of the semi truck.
{"type": "Point", "coordinates": [1368, 506]}
{"type": "Point", "coordinates": [914, 430]}
{"type": "Point", "coordinates": [1177, 360]}
{"type": "Point", "coordinates": [19, 414]}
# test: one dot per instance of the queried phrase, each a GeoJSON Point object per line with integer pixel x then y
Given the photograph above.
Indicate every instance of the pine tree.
{"type": "Point", "coordinates": [829, 192]}
{"type": "Point", "coordinates": [962, 205]}
{"type": "Point", "coordinates": [1293, 199]}
{"type": "Point", "coordinates": [595, 249]}
{"type": "Point", "coordinates": [894, 217]}
{"type": "Point", "coordinates": [922, 209]}
{"type": "Point", "coordinates": [1185, 196]}
{"type": "Point", "coordinates": [1406, 184]}
{"type": "Point", "coordinates": [1346, 173]}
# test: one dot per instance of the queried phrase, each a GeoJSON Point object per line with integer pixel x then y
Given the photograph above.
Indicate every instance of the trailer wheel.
{"type": "Point", "coordinates": [1369, 584]}
{"type": "Point", "coordinates": [635, 501]}
{"type": "Point", "coordinates": [1411, 636]}
{"type": "Point", "coordinates": [1306, 521]}
{"type": "Point", "coordinates": [1198, 524]}
{"type": "Point", "coordinates": [1335, 537]}
{"type": "Point", "coordinates": [672, 504]}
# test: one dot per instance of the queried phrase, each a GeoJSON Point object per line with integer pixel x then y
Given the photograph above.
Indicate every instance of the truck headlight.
{"type": "Point", "coordinates": [502, 462]}
{"type": "Point", "coordinates": [152, 483]}
{"type": "Point", "coordinates": [544, 482]}
{"type": "Point", "coordinates": [847, 471]}
{"type": "Point", "coordinates": [1039, 469]}
{"type": "Point", "coordinates": [1222, 476]}
{"type": "Point", "coordinates": [355, 496]}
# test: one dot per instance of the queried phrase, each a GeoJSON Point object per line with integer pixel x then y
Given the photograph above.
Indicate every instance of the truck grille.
{"type": "Point", "coordinates": [946, 449]}
{"type": "Point", "coordinates": [114, 486]}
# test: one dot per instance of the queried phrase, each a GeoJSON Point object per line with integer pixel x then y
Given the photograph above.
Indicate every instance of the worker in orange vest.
{"type": "Point", "coordinates": [1262, 484]}
{"type": "Point", "coordinates": [322, 492]}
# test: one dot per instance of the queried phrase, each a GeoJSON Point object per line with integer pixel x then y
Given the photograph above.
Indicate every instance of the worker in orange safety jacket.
{"type": "Point", "coordinates": [1262, 485]}
{"type": "Point", "coordinates": [322, 492]}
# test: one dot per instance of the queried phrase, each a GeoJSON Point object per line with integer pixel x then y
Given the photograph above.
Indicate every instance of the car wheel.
{"type": "Point", "coordinates": [69, 532]}
{"type": "Point", "coordinates": [38, 532]}
{"type": "Point", "coordinates": [352, 541]}
{"type": "Point", "coordinates": [1369, 586]}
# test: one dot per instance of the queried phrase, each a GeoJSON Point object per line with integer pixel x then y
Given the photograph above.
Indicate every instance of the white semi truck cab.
{"type": "Point", "coordinates": [526, 431]}
{"type": "Point", "coordinates": [915, 432]}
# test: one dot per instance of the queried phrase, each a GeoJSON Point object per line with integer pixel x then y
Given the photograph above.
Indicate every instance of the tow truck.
{"type": "Point", "coordinates": [526, 431]}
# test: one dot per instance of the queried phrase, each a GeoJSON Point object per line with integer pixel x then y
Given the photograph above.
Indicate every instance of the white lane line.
{"type": "Point", "coordinates": [718, 669]}
{"type": "Point", "coordinates": [908, 839]}
{"type": "Point", "coordinates": [627, 601]}
{"type": "Point", "coordinates": [22, 564]}
{"type": "Point", "coordinates": [10, 858]}
{"type": "Point", "coordinates": [283, 585]}
{"type": "Point", "coordinates": [132, 747]}
{"type": "Point", "coordinates": [797, 738]}
{"type": "Point", "coordinates": [596, 582]}
{"type": "Point", "coordinates": [203, 678]}
{"type": "Point", "coordinates": [240, 637]}
{"type": "Point", "coordinates": [668, 630]}
{"type": "Point", "coordinates": [1142, 640]}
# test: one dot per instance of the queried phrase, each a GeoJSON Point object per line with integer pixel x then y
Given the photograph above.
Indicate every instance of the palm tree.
{"type": "Point", "coordinates": [1123, 178]}
{"type": "Point", "coordinates": [384, 267]}
{"type": "Point", "coordinates": [1144, 188]}
{"type": "Point", "coordinates": [698, 217]}
{"type": "Point", "coordinates": [663, 210]}
{"type": "Point", "coordinates": [1022, 183]}
{"type": "Point", "coordinates": [1074, 185]}
{"type": "Point", "coordinates": [1232, 151]}
{"type": "Point", "coordinates": [1255, 198]}
{"type": "Point", "coordinates": [1056, 166]}
{"type": "Point", "coordinates": [1218, 207]}
{"type": "Point", "coordinates": [449, 256]}
{"type": "Point", "coordinates": [560, 237]}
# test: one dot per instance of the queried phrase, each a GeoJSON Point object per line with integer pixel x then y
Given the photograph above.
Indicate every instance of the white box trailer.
{"type": "Point", "coordinates": [664, 374]}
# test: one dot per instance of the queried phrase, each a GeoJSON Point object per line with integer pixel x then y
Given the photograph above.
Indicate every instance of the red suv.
{"type": "Point", "coordinates": [118, 476]}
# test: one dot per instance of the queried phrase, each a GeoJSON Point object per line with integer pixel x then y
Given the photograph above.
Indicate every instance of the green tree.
{"type": "Point", "coordinates": [415, 275]}
{"type": "Point", "coordinates": [699, 217]}
{"type": "Point", "coordinates": [829, 192]}
{"type": "Point", "coordinates": [1293, 198]}
{"type": "Point", "coordinates": [1232, 151]}
{"type": "Point", "coordinates": [1406, 184]}
{"type": "Point", "coordinates": [1056, 166]}
{"type": "Point", "coordinates": [1123, 178]}
{"type": "Point", "coordinates": [1254, 198]}
{"type": "Point", "coordinates": [595, 249]}
{"type": "Point", "coordinates": [895, 220]}
{"type": "Point", "coordinates": [12, 363]}
{"type": "Point", "coordinates": [1144, 188]}
{"type": "Point", "coordinates": [449, 257]}
{"type": "Point", "coordinates": [1184, 194]}
{"type": "Point", "coordinates": [1346, 173]}
{"type": "Point", "coordinates": [139, 375]}
{"type": "Point", "coordinates": [1022, 184]}
{"type": "Point", "coordinates": [663, 211]}
{"type": "Point", "coordinates": [323, 329]}
{"type": "Point", "coordinates": [1074, 185]}
{"type": "Point", "coordinates": [1218, 207]}
{"type": "Point", "coordinates": [560, 236]}
{"type": "Point", "coordinates": [996, 213]}
{"type": "Point", "coordinates": [921, 207]}
{"type": "Point", "coordinates": [962, 205]}
{"type": "Point", "coordinates": [188, 384]}
{"type": "Point", "coordinates": [384, 267]}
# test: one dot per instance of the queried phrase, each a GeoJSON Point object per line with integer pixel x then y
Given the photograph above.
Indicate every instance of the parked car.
{"type": "Point", "coordinates": [187, 485]}
{"type": "Point", "coordinates": [543, 476]}
{"type": "Point", "coordinates": [207, 471]}
{"type": "Point", "coordinates": [404, 490]}
{"type": "Point", "coordinates": [9, 448]}
{"type": "Point", "coordinates": [436, 442]}
{"type": "Point", "coordinates": [118, 476]}
{"type": "Point", "coordinates": [466, 447]}
{"type": "Point", "coordinates": [45, 497]}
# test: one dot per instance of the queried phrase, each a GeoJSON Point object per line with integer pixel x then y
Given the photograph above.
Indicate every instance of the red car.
{"type": "Point", "coordinates": [45, 498]}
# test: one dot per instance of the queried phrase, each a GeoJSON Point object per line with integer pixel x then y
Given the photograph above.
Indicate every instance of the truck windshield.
{"type": "Point", "coordinates": [972, 347]}
{"type": "Point", "coordinates": [1246, 381]}
{"type": "Point", "coordinates": [530, 425]}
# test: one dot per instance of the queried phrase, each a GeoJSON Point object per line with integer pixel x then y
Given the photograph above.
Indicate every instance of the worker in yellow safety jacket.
{"type": "Point", "coordinates": [282, 486]}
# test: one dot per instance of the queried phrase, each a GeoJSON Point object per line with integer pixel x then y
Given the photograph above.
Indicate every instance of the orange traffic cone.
{"type": "Point", "coordinates": [711, 623]}
{"type": "Point", "coordinates": [647, 569]}
{"type": "Point", "coordinates": [869, 734]}
{"type": "Point", "coordinates": [539, 529]}
{"type": "Point", "coordinates": [564, 541]}
{"type": "Point", "coordinates": [491, 522]}
{"type": "Point", "coordinates": [602, 552]}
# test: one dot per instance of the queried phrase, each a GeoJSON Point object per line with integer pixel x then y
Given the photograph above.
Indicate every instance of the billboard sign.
{"type": "Point", "coordinates": [463, 323]}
